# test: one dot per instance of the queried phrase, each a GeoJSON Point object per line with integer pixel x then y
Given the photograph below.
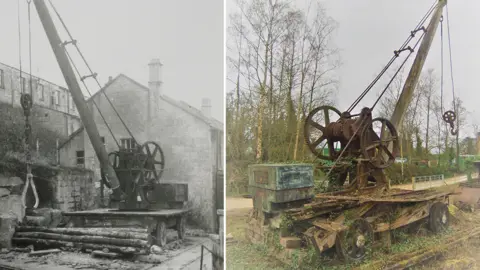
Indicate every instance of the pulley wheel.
{"type": "Point", "coordinates": [353, 244]}
{"type": "Point", "coordinates": [449, 116]}
{"type": "Point", "coordinates": [154, 163]}
{"type": "Point", "coordinates": [314, 131]}
{"type": "Point", "coordinates": [439, 217]}
{"type": "Point", "coordinates": [379, 143]}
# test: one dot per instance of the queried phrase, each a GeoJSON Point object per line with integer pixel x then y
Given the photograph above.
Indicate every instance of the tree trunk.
{"type": "Point", "coordinates": [92, 239]}
{"type": "Point", "coordinates": [111, 233]}
{"type": "Point", "coordinates": [57, 243]}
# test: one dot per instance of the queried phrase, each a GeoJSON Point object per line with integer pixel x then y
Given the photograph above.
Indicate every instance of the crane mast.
{"type": "Point", "coordinates": [414, 74]}
{"type": "Point", "coordinates": [77, 96]}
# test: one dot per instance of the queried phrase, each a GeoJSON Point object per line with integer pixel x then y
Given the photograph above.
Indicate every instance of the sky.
{"type": "Point", "coordinates": [370, 30]}
{"type": "Point", "coordinates": [122, 36]}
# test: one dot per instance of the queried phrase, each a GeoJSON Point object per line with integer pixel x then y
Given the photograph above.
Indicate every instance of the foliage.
{"type": "Point", "coordinates": [13, 130]}
{"type": "Point", "coordinates": [281, 64]}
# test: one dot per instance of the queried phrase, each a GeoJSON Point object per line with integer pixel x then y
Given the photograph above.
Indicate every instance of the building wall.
{"type": "Point", "coordinates": [54, 102]}
{"type": "Point", "coordinates": [187, 145]}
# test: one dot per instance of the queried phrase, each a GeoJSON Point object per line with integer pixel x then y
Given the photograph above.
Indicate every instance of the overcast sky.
{"type": "Point", "coordinates": [370, 30]}
{"type": "Point", "coordinates": [122, 36]}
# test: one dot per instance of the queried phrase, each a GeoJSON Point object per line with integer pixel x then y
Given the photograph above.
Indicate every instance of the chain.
{"type": "Point", "coordinates": [27, 102]}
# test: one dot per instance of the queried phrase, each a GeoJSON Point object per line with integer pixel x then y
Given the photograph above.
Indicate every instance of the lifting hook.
{"type": "Point", "coordinates": [449, 117]}
{"type": "Point", "coordinates": [29, 182]}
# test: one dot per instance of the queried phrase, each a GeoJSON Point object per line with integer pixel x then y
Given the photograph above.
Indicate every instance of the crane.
{"type": "Point", "coordinates": [355, 133]}
{"type": "Point", "coordinates": [349, 216]}
{"type": "Point", "coordinates": [132, 175]}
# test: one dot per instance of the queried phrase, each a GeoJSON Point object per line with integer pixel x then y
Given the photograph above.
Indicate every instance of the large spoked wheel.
{"type": "Point", "coordinates": [314, 131]}
{"type": "Point", "coordinates": [439, 217]}
{"type": "Point", "coordinates": [379, 143]}
{"type": "Point", "coordinates": [154, 163]}
{"type": "Point", "coordinates": [353, 244]}
{"type": "Point", "coordinates": [151, 169]}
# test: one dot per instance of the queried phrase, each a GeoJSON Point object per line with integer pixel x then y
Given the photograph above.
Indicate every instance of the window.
{"type": "Point", "coordinates": [128, 144]}
{"type": "Point", "coordinates": [2, 79]}
{"type": "Point", "coordinates": [52, 101]}
{"type": "Point", "coordinates": [57, 98]}
{"type": "Point", "coordinates": [73, 104]}
{"type": "Point", "coordinates": [41, 91]}
{"type": "Point", "coordinates": [80, 157]}
{"type": "Point", "coordinates": [103, 140]}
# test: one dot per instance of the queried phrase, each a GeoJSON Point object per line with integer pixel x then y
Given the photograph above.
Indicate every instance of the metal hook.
{"type": "Point", "coordinates": [29, 181]}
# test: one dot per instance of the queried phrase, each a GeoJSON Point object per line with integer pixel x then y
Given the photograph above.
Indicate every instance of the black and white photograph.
{"type": "Point", "coordinates": [112, 134]}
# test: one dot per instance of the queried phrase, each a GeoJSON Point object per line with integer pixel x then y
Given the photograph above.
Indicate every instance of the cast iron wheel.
{"type": "Point", "coordinates": [154, 163]}
{"type": "Point", "coordinates": [439, 217]}
{"type": "Point", "coordinates": [161, 234]}
{"type": "Point", "coordinates": [180, 226]}
{"type": "Point", "coordinates": [313, 126]}
{"type": "Point", "coordinates": [353, 244]}
{"type": "Point", "coordinates": [380, 149]}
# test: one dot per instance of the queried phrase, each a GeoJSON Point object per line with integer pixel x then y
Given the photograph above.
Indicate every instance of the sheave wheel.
{"type": "Point", "coordinates": [439, 218]}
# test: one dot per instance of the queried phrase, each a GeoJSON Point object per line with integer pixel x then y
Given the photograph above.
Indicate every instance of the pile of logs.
{"type": "Point", "coordinates": [118, 240]}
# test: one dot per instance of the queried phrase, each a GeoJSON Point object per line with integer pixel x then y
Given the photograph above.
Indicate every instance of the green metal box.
{"type": "Point", "coordinates": [275, 187]}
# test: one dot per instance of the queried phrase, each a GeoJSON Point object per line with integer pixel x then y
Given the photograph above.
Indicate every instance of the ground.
{"type": "Point", "coordinates": [183, 255]}
{"type": "Point", "coordinates": [465, 255]}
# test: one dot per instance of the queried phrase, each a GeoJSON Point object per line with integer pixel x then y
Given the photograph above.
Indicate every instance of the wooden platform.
{"type": "Point", "coordinates": [120, 213]}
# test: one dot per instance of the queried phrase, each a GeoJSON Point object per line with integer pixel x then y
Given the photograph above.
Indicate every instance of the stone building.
{"type": "Point", "coordinates": [191, 140]}
{"type": "Point", "coordinates": [53, 104]}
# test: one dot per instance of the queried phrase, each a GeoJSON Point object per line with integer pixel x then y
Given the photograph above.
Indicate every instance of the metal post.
{"type": "Point", "coordinates": [201, 258]}
{"type": "Point", "coordinates": [76, 92]}
{"type": "Point", "coordinates": [414, 75]}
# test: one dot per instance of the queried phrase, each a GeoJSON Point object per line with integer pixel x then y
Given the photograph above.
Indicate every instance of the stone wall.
{"type": "Point", "coordinates": [189, 153]}
{"type": "Point", "coordinates": [74, 190]}
{"type": "Point", "coordinates": [54, 104]}
{"type": "Point", "coordinates": [66, 189]}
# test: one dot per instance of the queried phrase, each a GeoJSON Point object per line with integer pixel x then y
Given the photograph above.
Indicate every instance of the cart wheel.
{"type": "Point", "coordinates": [353, 244]}
{"type": "Point", "coordinates": [161, 233]}
{"type": "Point", "coordinates": [439, 218]}
{"type": "Point", "coordinates": [181, 227]}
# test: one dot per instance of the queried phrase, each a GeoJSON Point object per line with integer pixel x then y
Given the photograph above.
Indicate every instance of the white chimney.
{"type": "Point", "coordinates": [155, 79]}
{"type": "Point", "coordinates": [155, 90]}
{"type": "Point", "coordinates": [206, 107]}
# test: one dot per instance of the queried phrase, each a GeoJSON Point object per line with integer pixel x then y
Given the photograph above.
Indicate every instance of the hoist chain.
{"type": "Point", "coordinates": [26, 102]}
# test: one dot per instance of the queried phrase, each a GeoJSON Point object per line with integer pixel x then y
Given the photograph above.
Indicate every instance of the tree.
{"type": "Point", "coordinates": [282, 64]}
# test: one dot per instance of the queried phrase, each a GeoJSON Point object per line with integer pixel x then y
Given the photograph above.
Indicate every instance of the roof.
{"type": "Point", "coordinates": [75, 133]}
{"type": "Point", "coordinates": [212, 122]}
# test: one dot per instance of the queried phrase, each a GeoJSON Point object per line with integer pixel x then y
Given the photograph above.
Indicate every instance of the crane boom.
{"type": "Point", "coordinates": [77, 96]}
{"type": "Point", "coordinates": [414, 74]}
